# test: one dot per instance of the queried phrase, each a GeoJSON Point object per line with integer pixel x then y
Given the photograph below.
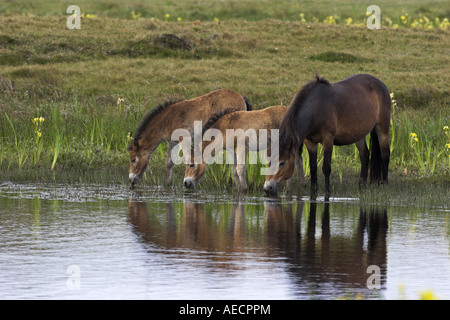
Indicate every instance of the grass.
{"type": "Point", "coordinates": [205, 10]}
{"type": "Point", "coordinates": [92, 86]}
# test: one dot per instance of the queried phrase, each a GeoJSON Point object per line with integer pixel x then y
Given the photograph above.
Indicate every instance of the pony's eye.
{"type": "Point", "coordinates": [133, 160]}
{"type": "Point", "coordinates": [282, 163]}
{"type": "Point", "coordinates": [192, 165]}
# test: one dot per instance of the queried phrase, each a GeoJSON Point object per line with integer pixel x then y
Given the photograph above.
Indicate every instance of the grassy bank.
{"type": "Point", "coordinates": [69, 99]}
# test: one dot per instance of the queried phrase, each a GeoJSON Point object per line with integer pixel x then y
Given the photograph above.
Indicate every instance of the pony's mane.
{"type": "Point", "coordinates": [301, 95]}
{"type": "Point", "coordinates": [151, 115]}
{"type": "Point", "coordinates": [288, 138]}
{"type": "Point", "coordinates": [216, 117]}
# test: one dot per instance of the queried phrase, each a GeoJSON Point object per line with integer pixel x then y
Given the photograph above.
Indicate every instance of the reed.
{"type": "Point", "coordinates": [93, 138]}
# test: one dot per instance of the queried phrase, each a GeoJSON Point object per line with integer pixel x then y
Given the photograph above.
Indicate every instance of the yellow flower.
{"type": "Point", "coordinates": [41, 119]}
{"type": "Point", "coordinates": [35, 120]}
{"type": "Point", "coordinates": [348, 21]}
{"type": "Point", "coordinates": [413, 135]}
{"type": "Point", "coordinates": [447, 146]}
{"type": "Point", "coordinates": [179, 19]}
{"type": "Point", "coordinates": [167, 16]}
{"type": "Point", "coordinates": [428, 295]}
{"type": "Point", "coordinates": [403, 17]}
{"type": "Point", "coordinates": [392, 95]}
{"type": "Point", "coordinates": [302, 17]}
{"type": "Point", "coordinates": [330, 20]}
{"type": "Point", "coordinates": [136, 15]}
{"type": "Point", "coordinates": [444, 24]}
{"type": "Point", "coordinates": [445, 128]}
{"type": "Point", "coordinates": [39, 134]}
{"type": "Point", "coordinates": [216, 19]}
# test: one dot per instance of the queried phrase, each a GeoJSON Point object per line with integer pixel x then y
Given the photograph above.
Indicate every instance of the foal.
{"type": "Point", "coordinates": [158, 125]}
{"type": "Point", "coordinates": [269, 118]}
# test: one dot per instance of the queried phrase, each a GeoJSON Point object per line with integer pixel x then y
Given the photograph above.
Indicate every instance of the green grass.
{"type": "Point", "coordinates": [206, 10]}
{"type": "Point", "coordinates": [74, 78]}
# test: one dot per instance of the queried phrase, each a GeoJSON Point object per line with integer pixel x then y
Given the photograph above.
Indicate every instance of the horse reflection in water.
{"type": "Point", "coordinates": [328, 257]}
{"type": "Point", "coordinates": [226, 234]}
{"type": "Point", "coordinates": [196, 230]}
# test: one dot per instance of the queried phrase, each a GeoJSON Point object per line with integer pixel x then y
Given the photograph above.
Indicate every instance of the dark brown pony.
{"type": "Point", "coordinates": [339, 113]}
{"type": "Point", "coordinates": [158, 125]}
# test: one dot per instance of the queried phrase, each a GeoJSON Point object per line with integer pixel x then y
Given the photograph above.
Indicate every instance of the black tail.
{"type": "Point", "coordinates": [375, 157]}
{"type": "Point", "coordinates": [248, 104]}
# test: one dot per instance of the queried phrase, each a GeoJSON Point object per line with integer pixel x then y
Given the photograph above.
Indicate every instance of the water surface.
{"type": "Point", "coordinates": [97, 242]}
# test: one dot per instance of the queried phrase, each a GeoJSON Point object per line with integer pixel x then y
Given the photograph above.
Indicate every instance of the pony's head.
{"type": "Point", "coordinates": [289, 139]}
{"type": "Point", "coordinates": [285, 169]}
{"type": "Point", "coordinates": [139, 158]}
{"type": "Point", "coordinates": [146, 140]}
{"type": "Point", "coordinates": [194, 172]}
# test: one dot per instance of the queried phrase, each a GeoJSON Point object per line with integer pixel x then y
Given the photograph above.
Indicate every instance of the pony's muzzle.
{"type": "Point", "coordinates": [270, 188]}
{"type": "Point", "coordinates": [189, 183]}
{"type": "Point", "coordinates": [134, 178]}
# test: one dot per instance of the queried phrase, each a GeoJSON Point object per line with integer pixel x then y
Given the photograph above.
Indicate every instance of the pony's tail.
{"type": "Point", "coordinates": [375, 157]}
{"type": "Point", "coordinates": [248, 104]}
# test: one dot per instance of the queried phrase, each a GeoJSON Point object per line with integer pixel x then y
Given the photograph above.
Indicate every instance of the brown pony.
{"type": "Point", "coordinates": [240, 121]}
{"type": "Point", "coordinates": [158, 125]}
{"type": "Point", "coordinates": [339, 114]}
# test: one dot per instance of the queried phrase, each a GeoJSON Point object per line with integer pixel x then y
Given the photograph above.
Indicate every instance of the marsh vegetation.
{"type": "Point", "coordinates": [92, 86]}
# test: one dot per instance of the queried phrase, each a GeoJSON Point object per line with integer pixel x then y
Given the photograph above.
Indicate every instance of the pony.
{"type": "Point", "coordinates": [157, 126]}
{"type": "Point", "coordinates": [238, 121]}
{"type": "Point", "coordinates": [339, 113]}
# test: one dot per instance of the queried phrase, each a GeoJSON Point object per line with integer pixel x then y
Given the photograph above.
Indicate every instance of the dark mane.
{"type": "Point", "coordinates": [288, 138]}
{"type": "Point", "coordinates": [297, 102]}
{"type": "Point", "coordinates": [148, 118]}
{"type": "Point", "coordinates": [215, 117]}
{"type": "Point", "coordinates": [151, 115]}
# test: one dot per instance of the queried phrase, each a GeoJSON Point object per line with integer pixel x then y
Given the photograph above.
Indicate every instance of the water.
{"type": "Point", "coordinates": [96, 242]}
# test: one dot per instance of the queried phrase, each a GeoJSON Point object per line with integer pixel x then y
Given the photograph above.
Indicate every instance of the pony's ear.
{"type": "Point", "coordinates": [133, 144]}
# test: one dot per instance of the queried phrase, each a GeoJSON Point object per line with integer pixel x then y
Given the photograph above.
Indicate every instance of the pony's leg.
{"type": "Point", "coordinates": [385, 155]}
{"type": "Point", "coordinates": [242, 172]}
{"type": "Point", "coordinates": [235, 176]}
{"type": "Point", "coordinates": [298, 161]}
{"type": "Point", "coordinates": [383, 140]}
{"type": "Point", "coordinates": [299, 164]}
{"type": "Point", "coordinates": [242, 169]}
{"type": "Point", "coordinates": [234, 170]}
{"type": "Point", "coordinates": [169, 162]}
{"type": "Point", "coordinates": [326, 168]}
{"type": "Point", "coordinates": [364, 158]}
{"type": "Point", "coordinates": [312, 151]}
{"type": "Point", "coordinates": [289, 184]}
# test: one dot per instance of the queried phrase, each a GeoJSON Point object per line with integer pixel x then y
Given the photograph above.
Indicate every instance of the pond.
{"type": "Point", "coordinates": [97, 242]}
